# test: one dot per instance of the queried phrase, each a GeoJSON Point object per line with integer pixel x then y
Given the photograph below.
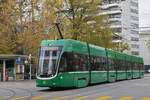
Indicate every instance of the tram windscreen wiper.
{"type": "Point", "coordinates": [45, 75]}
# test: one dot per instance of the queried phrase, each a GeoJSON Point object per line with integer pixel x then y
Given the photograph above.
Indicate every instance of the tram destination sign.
{"type": "Point", "coordinates": [50, 48]}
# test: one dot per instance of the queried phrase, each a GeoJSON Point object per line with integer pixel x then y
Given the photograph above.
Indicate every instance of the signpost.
{"type": "Point", "coordinates": [30, 66]}
{"type": "Point", "coordinates": [19, 60]}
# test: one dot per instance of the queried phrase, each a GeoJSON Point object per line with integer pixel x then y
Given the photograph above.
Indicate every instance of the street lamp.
{"type": "Point", "coordinates": [30, 73]}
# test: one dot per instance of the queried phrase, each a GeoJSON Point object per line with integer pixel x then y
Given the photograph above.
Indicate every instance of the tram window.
{"type": "Point", "coordinates": [63, 63]}
{"type": "Point", "coordinates": [77, 62]}
{"type": "Point", "coordinates": [66, 63]}
{"type": "Point", "coordinates": [84, 62]}
{"type": "Point", "coordinates": [123, 65]}
{"type": "Point", "coordinates": [104, 63]}
{"type": "Point", "coordinates": [92, 63]}
{"type": "Point", "coordinates": [71, 62]}
{"type": "Point", "coordinates": [98, 63]}
{"type": "Point", "coordinates": [81, 62]}
{"type": "Point", "coordinates": [135, 66]}
{"type": "Point", "coordinates": [115, 64]}
{"type": "Point", "coordinates": [103, 66]}
{"type": "Point", "coordinates": [142, 66]}
{"type": "Point", "coordinates": [111, 64]}
{"type": "Point", "coordinates": [128, 65]}
{"type": "Point", "coordinates": [132, 65]}
{"type": "Point", "coordinates": [119, 64]}
{"type": "Point", "coordinates": [46, 53]}
{"type": "Point", "coordinates": [109, 61]}
{"type": "Point", "coordinates": [54, 53]}
{"type": "Point", "coordinates": [138, 66]}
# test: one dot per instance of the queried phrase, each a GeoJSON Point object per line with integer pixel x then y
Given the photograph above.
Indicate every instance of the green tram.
{"type": "Point", "coordinates": [70, 63]}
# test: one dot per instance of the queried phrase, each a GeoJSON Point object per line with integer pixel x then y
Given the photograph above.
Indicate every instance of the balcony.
{"type": "Point", "coordinates": [110, 12]}
{"type": "Point", "coordinates": [106, 6]}
{"type": "Point", "coordinates": [114, 19]}
{"type": "Point", "coordinates": [115, 26]}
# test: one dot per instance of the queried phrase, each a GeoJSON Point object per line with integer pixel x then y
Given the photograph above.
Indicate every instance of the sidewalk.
{"type": "Point", "coordinates": [147, 75]}
{"type": "Point", "coordinates": [19, 81]}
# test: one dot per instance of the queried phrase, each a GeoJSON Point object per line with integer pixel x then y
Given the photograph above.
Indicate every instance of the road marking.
{"type": "Point", "coordinates": [103, 98]}
{"type": "Point", "coordinates": [20, 98]}
{"type": "Point", "coordinates": [80, 98]}
{"type": "Point", "coordinates": [147, 98]}
{"type": "Point", "coordinates": [5, 97]}
{"type": "Point", "coordinates": [60, 98]}
{"type": "Point", "coordinates": [126, 98]}
{"type": "Point", "coordinates": [40, 97]}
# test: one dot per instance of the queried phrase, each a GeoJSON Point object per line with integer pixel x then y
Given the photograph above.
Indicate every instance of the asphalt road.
{"type": "Point", "coordinates": [137, 89]}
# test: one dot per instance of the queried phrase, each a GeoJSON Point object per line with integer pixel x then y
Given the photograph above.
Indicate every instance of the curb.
{"type": "Point", "coordinates": [146, 75]}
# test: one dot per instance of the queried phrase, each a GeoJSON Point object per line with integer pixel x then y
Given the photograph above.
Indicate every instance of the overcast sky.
{"type": "Point", "coordinates": [144, 13]}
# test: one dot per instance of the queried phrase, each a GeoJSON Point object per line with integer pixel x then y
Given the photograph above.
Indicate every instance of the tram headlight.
{"type": "Point", "coordinates": [61, 77]}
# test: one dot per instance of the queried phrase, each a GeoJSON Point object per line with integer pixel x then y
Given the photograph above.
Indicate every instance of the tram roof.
{"type": "Point", "coordinates": [81, 47]}
{"type": "Point", "coordinates": [75, 46]}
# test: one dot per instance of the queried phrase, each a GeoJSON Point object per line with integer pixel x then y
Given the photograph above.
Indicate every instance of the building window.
{"type": "Point", "coordinates": [113, 1]}
{"type": "Point", "coordinates": [117, 30]}
{"type": "Point", "coordinates": [115, 16]}
{"type": "Point", "coordinates": [134, 4]}
{"type": "Point", "coordinates": [135, 18]}
{"type": "Point", "coordinates": [134, 11]}
{"type": "Point", "coordinates": [135, 46]}
{"type": "Point", "coordinates": [135, 25]}
{"type": "Point", "coordinates": [134, 32]}
{"type": "Point", "coordinates": [115, 23]}
{"type": "Point", "coordinates": [134, 39]}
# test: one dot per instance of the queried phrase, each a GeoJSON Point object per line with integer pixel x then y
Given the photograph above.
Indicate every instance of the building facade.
{"type": "Point", "coordinates": [124, 20]}
{"type": "Point", "coordinates": [144, 51]}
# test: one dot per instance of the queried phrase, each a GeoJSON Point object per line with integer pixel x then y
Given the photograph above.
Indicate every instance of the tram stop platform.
{"type": "Point", "coordinates": [12, 67]}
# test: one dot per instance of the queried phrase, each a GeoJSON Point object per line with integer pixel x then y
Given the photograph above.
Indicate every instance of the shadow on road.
{"type": "Point", "coordinates": [57, 89]}
{"type": "Point", "coordinates": [69, 88]}
{"type": "Point", "coordinates": [91, 85]}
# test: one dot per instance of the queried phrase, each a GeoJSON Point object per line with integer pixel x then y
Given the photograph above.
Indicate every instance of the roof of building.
{"type": "Point", "coordinates": [12, 56]}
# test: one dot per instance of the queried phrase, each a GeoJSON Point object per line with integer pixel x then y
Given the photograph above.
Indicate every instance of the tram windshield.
{"type": "Point", "coordinates": [48, 58]}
